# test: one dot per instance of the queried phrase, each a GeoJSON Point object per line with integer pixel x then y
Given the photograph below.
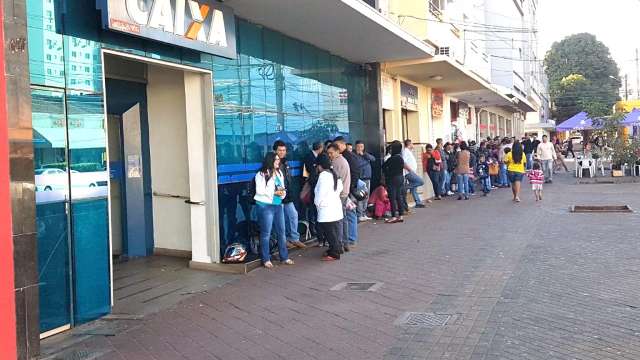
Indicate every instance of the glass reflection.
{"type": "Point", "coordinates": [89, 189]}
{"type": "Point", "coordinates": [50, 165]}
{"type": "Point", "coordinates": [278, 89]}
{"type": "Point", "coordinates": [46, 56]}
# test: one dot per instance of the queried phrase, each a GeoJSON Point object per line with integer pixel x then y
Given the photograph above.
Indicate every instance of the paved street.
{"type": "Point", "coordinates": [519, 281]}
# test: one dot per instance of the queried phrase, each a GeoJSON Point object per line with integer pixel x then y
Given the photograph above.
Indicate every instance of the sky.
{"type": "Point", "coordinates": [614, 22]}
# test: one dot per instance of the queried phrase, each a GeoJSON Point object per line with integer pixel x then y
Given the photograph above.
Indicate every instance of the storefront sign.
{"type": "Point", "coordinates": [387, 92]}
{"type": "Point", "coordinates": [408, 96]}
{"type": "Point", "coordinates": [203, 25]}
{"type": "Point", "coordinates": [437, 104]}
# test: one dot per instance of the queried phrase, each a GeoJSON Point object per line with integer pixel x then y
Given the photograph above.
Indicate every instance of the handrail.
{"type": "Point", "coordinates": [171, 196]}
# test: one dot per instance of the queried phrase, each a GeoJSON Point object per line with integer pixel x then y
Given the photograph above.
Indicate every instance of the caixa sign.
{"type": "Point", "coordinates": [204, 25]}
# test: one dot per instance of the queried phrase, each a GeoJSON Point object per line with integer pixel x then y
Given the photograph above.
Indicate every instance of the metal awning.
{"type": "Point", "coordinates": [347, 28]}
{"type": "Point", "coordinates": [445, 74]}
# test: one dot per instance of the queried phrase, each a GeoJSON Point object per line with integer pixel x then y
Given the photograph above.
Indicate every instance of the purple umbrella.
{"type": "Point", "coordinates": [632, 118]}
{"type": "Point", "coordinates": [579, 121]}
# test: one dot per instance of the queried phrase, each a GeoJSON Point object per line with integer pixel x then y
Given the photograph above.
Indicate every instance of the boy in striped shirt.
{"type": "Point", "coordinates": [536, 178]}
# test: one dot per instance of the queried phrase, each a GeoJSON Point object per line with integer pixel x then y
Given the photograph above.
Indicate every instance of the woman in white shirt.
{"type": "Point", "coordinates": [269, 194]}
{"type": "Point", "coordinates": [327, 201]}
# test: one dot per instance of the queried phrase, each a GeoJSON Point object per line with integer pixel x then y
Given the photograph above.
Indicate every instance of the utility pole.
{"type": "Point", "coordinates": [626, 87]}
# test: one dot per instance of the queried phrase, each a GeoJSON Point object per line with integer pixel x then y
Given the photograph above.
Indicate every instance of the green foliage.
{"type": "Point", "coordinates": [620, 149]}
{"type": "Point", "coordinates": [579, 69]}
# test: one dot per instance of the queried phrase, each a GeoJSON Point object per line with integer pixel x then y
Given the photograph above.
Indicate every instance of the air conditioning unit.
{"type": "Point", "coordinates": [445, 50]}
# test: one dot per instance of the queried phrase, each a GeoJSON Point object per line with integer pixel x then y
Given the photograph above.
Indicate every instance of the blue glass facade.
{"type": "Point", "coordinates": [278, 88]}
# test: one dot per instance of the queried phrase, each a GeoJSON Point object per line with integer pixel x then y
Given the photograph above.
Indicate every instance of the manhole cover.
{"type": "Point", "coordinates": [358, 286]}
{"type": "Point", "coordinates": [601, 209]}
{"type": "Point", "coordinates": [423, 319]}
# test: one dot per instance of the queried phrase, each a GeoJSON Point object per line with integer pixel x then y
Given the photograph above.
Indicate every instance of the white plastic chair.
{"type": "Point", "coordinates": [586, 164]}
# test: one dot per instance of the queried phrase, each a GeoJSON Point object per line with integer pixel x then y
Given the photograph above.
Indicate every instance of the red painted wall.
{"type": "Point", "coordinates": [7, 295]}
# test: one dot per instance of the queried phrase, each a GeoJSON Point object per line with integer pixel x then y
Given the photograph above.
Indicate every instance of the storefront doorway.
{"type": "Point", "coordinates": [162, 162]}
{"type": "Point", "coordinates": [120, 175]}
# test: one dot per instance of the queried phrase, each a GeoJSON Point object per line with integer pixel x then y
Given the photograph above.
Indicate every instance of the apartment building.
{"type": "Point", "coordinates": [480, 80]}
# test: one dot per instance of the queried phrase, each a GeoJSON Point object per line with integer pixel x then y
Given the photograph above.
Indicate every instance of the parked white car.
{"type": "Point", "coordinates": [53, 179]}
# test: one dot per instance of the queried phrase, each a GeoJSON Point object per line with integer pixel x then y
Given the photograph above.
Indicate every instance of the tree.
{"type": "Point", "coordinates": [582, 77]}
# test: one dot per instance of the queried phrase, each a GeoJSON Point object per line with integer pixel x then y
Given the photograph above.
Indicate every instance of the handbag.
{"type": "Point", "coordinates": [494, 169]}
{"type": "Point", "coordinates": [306, 194]}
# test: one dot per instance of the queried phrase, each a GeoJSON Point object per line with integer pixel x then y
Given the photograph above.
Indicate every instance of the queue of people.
{"type": "Point", "coordinates": [337, 195]}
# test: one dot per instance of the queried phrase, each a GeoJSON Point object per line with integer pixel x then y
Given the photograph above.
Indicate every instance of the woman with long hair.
{"type": "Point", "coordinates": [394, 178]}
{"type": "Point", "coordinates": [270, 191]}
{"type": "Point", "coordinates": [327, 201]}
{"type": "Point", "coordinates": [515, 161]}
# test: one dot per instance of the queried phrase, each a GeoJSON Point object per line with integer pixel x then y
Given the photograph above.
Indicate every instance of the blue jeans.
{"type": "Point", "coordinates": [503, 180]}
{"type": "Point", "coordinates": [529, 161]}
{"type": "Point", "coordinates": [435, 180]}
{"type": "Point", "coordinates": [271, 217]}
{"type": "Point", "coordinates": [446, 182]}
{"type": "Point", "coordinates": [414, 182]}
{"type": "Point", "coordinates": [470, 186]}
{"type": "Point", "coordinates": [352, 220]}
{"type": "Point", "coordinates": [486, 185]}
{"type": "Point", "coordinates": [463, 185]}
{"type": "Point", "coordinates": [291, 222]}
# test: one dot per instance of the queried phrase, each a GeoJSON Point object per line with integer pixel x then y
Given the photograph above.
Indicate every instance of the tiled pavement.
{"type": "Point", "coordinates": [521, 281]}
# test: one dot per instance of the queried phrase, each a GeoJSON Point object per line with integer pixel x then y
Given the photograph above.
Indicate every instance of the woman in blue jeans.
{"type": "Point", "coordinates": [270, 191]}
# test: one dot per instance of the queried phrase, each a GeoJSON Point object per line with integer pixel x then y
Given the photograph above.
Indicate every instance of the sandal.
{"type": "Point", "coordinates": [390, 220]}
{"type": "Point", "coordinates": [288, 262]}
{"type": "Point", "coordinates": [268, 265]}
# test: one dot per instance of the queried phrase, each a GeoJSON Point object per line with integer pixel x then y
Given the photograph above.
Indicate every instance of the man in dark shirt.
{"type": "Point", "coordinates": [310, 174]}
{"type": "Point", "coordinates": [290, 211]}
{"type": "Point", "coordinates": [527, 144]}
{"type": "Point", "coordinates": [535, 143]}
{"type": "Point", "coordinates": [350, 228]}
{"type": "Point", "coordinates": [365, 159]}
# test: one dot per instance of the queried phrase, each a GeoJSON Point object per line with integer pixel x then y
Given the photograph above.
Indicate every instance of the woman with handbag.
{"type": "Point", "coordinates": [270, 191]}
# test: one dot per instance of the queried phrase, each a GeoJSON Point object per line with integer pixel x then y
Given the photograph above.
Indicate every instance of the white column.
{"type": "Point", "coordinates": [195, 114]}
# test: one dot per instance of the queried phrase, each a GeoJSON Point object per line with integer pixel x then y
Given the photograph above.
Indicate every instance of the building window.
{"type": "Point", "coordinates": [49, 57]}
{"type": "Point", "coordinates": [87, 69]}
{"type": "Point", "coordinates": [87, 56]}
{"type": "Point", "coordinates": [436, 8]}
{"type": "Point", "coordinates": [74, 54]}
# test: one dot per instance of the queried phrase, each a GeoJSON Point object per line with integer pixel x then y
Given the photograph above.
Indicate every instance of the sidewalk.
{"type": "Point", "coordinates": [519, 281]}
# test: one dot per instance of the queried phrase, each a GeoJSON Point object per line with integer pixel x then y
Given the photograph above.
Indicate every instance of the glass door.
{"type": "Point", "coordinates": [52, 208]}
{"type": "Point", "coordinates": [71, 179]}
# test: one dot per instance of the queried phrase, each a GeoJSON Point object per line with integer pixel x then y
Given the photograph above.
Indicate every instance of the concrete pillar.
{"type": "Point", "coordinates": [16, 69]}
{"type": "Point", "coordinates": [7, 297]}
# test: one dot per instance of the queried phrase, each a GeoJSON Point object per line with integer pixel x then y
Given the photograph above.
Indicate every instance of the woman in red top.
{"type": "Point", "coordinates": [427, 188]}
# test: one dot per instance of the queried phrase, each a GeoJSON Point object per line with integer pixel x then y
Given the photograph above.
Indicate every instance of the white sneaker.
{"type": "Point", "coordinates": [364, 218]}
{"type": "Point", "coordinates": [450, 193]}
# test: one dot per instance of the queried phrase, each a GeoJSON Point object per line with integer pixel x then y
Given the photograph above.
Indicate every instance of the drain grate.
{"type": "Point", "coordinates": [423, 319]}
{"type": "Point", "coordinates": [601, 209]}
{"type": "Point", "coordinates": [358, 286]}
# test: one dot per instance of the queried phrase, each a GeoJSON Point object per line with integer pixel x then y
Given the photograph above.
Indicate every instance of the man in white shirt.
{"type": "Point", "coordinates": [546, 154]}
{"type": "Point", "coordinates": [410, 172]}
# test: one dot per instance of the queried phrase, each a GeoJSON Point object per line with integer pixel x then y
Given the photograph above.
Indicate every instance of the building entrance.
{"type": "Point", "coordinates": [162, 164]}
